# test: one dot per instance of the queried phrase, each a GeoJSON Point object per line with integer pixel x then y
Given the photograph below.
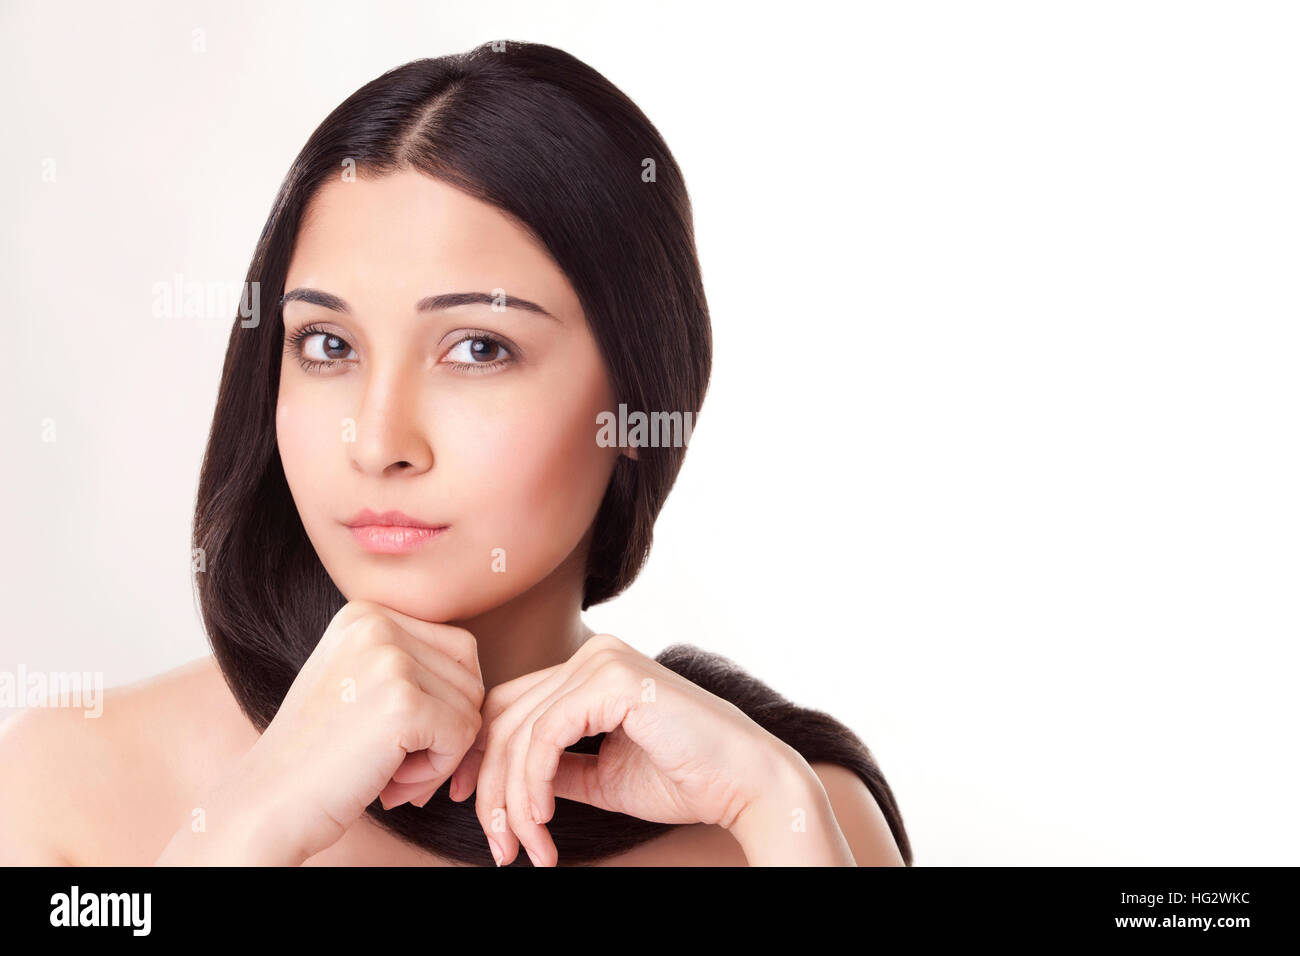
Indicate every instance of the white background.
{"type": "Point", "coordinates": [999, 460]}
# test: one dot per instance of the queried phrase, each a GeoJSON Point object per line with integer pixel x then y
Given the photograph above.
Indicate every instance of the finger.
{"type": "Point", "coordinates": [420, 766]}
{"type": "Point", "coordinates": [594, 698]}
{"type": "Point", "coordinates": [440, 660]}
{"type": "Point", "coordinates": [456, 642]}
{"type": "Point", "coordinates": [502, 710]}
{"type": "Point", "coordinates": [576, 779]}
{"type": "Point", "coordinates": [500, 697]}
{"type": "Point", "coordinates": [434, 729]}
{"type": "Point", "coordinates": [427, 795]}
{"type": "Point", "coordinates": [533, 834]}
{"type": "Point", "coordinates": [491, 805]}
{"type": "Point", "coordinates": [511, 692]}
{"type": "Point", "coordinates": [529, 803]}
{"type": "Point", "coordinates": [416, 768]}
{"type": "Point", "coordinates": [504, 695]}
{"type": "Point", "coordinates": [591, 703]}
{"type": "Point", "coordinates": [395, 794]}
{"type": "Point", "coordinates": [453, 790]}
{"type": "Point", "coordinates": [465, 777]}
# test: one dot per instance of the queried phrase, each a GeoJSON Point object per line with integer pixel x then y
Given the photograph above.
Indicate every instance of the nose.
{"type": "Point", "coordinates": [388, 438]}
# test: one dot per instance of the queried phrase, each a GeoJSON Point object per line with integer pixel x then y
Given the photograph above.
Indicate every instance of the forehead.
{"type": "Point", "coordinates": [397, 238]}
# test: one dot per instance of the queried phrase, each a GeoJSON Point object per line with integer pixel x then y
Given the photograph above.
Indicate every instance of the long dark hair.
{"type": "Point", "coordinates": [553, 144]}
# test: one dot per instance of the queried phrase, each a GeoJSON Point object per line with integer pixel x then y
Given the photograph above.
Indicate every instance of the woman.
{"type": "Point", "coordinates": [403, 510]}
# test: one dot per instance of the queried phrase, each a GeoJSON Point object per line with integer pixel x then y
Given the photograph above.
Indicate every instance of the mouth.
{"type": "Point", "coordinates": [391, 532]}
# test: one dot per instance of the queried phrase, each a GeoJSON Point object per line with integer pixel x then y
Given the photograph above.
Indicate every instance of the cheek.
{"type": "Point", "coordinates": [305, 438]}
{"type": "Point", "coordinates": [540, 474]}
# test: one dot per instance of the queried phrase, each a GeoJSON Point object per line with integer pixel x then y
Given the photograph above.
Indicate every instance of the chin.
{"type": "Point", "coordinates": [424, 598]}
{"type": "Point", "coordinates": [419, 593]}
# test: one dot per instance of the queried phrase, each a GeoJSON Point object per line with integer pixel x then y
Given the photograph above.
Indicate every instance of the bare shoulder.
{"type": "Point", "coordinates": [829, 745]}
{"type": "Point", "coordinates": [697, 844]}
{"type": "Point", "coordinates": [84, 782]}
{"type": "Point", "coordinates": [860, 817]}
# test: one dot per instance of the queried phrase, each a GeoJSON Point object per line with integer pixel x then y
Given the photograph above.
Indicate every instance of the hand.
{"type": "Point", "coordinates": [385, 705]}
{"type": "Point", "coordinates": [673, 752]}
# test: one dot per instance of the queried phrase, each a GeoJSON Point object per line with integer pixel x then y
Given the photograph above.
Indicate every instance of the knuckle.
{"type": "Point", "coordinates": [369, 629]}
{"type": "Point", "coordinates": [608, 642]}
{"type": "Point", "coordinates": [543, 727]}
{"type": "Point", "coordinates": [340, 619]}
{"type": "Point", "coordinates": [400, 698]}
{"type": "Point", "coordinates": [518, 821]}
{"type": "Point", "coordinates": [517, 738]}
{"type": "Point", "coordinates": [389, 660]}
{"type": "Point", "coordinates": [620, 669]}
{"type": "Point", "coordinates": [599, 644]}
{"type": "Point", "coordinates": [605, 658]}
{"type": "Point", "coordinates": [495, 736]}
{"type": "Point", "coordinates": [462, 641]}
{"type": "Point", "coordinates": [352, 610]}
{"type": "Point", "coordinates": [484, 811]}
{"type": "Point", "coordinates": [479, 697]}
{"type": "Point", "coordinates": [474, 719]}
{"type": "Point", "coordinates": [467, 729]}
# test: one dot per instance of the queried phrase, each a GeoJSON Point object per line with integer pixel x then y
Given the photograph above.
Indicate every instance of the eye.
{"type": "Point", "coordinates": [317, 349]}
{"type": "Point", "coordinates": [324, 347]}
{"type": "Point", "coordinates": [479, 350]}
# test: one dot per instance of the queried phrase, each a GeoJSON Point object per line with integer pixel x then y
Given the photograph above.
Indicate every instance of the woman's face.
{"type": "Point", "coordinates": [470, 416]}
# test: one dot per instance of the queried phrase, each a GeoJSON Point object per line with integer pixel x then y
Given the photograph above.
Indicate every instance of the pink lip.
{"type": "Point", "coordinates": [391, 532]}
{"type": "Point", "coordinates": [394, 518]}
{"type": "Point", "coordinates": [393, 539]}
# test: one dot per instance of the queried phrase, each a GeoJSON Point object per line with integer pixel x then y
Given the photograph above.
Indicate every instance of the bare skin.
{"type": "Point", "coordinates": [112, 790]}
{"type": "Point", "coordinates": [477, 416]}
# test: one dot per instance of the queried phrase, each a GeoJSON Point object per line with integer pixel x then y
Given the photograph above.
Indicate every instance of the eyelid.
{"type": "Point", "coordinates": [465, 335]}
{"type": "Point", "coordinates": [295, 336]}
{"type": "Point", "coordinates": [294, 345]}
{"type": "Point", "coordinates": [456, 336]}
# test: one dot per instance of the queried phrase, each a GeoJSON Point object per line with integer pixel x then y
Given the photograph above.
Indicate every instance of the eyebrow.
{"type": "Point", "coordinates": [431, 303]}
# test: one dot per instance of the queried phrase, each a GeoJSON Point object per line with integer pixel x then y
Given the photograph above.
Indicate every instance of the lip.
{"type": "Point", "coordinates": [391, 532]}
{"type": "Point", "coordinates": [391, 519]}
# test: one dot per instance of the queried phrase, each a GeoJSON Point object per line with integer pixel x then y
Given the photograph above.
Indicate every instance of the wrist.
{"type": "Point", "coordinates": [250, 824]}
{"type": "Point", "coordinates": [229, 836]}
{"type": "Point", "coordinates": [267, 821]}
{"type": "Point", "coordinates": [785, 783]}
{"type": "Point", "coordinates": [791, 822]}
{"type": "Point", "coordinates": [262, 836]}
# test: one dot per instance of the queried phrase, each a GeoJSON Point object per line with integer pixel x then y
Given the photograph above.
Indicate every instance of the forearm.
{"type": "Point", "coordinates": [232, 845]}
{"type": "Point", "coordinates": [230, 831]}
{"type": "Point", "coordinates": [792, 823]}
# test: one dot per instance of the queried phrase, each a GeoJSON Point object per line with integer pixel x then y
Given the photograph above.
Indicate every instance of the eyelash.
{"type": "Point", "coordinates": [294, 344]}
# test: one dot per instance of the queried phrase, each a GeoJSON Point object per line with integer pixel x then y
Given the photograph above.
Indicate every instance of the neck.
{"type": "Point", "coordinates": [537, 629]}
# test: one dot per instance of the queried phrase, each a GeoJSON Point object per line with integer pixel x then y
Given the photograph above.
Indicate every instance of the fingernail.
{"type": "Point", "coordinates": [422, 802]}
{"type": "Point", "coordinates": [532, 859]}
{"type": "Point", "coordinates": [537, 817]}
{"type": "Point", "coordinates": [496, 850]}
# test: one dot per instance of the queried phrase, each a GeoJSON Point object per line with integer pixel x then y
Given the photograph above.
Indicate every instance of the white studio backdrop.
{"type": "Point", "coordinates": [999, 460]}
